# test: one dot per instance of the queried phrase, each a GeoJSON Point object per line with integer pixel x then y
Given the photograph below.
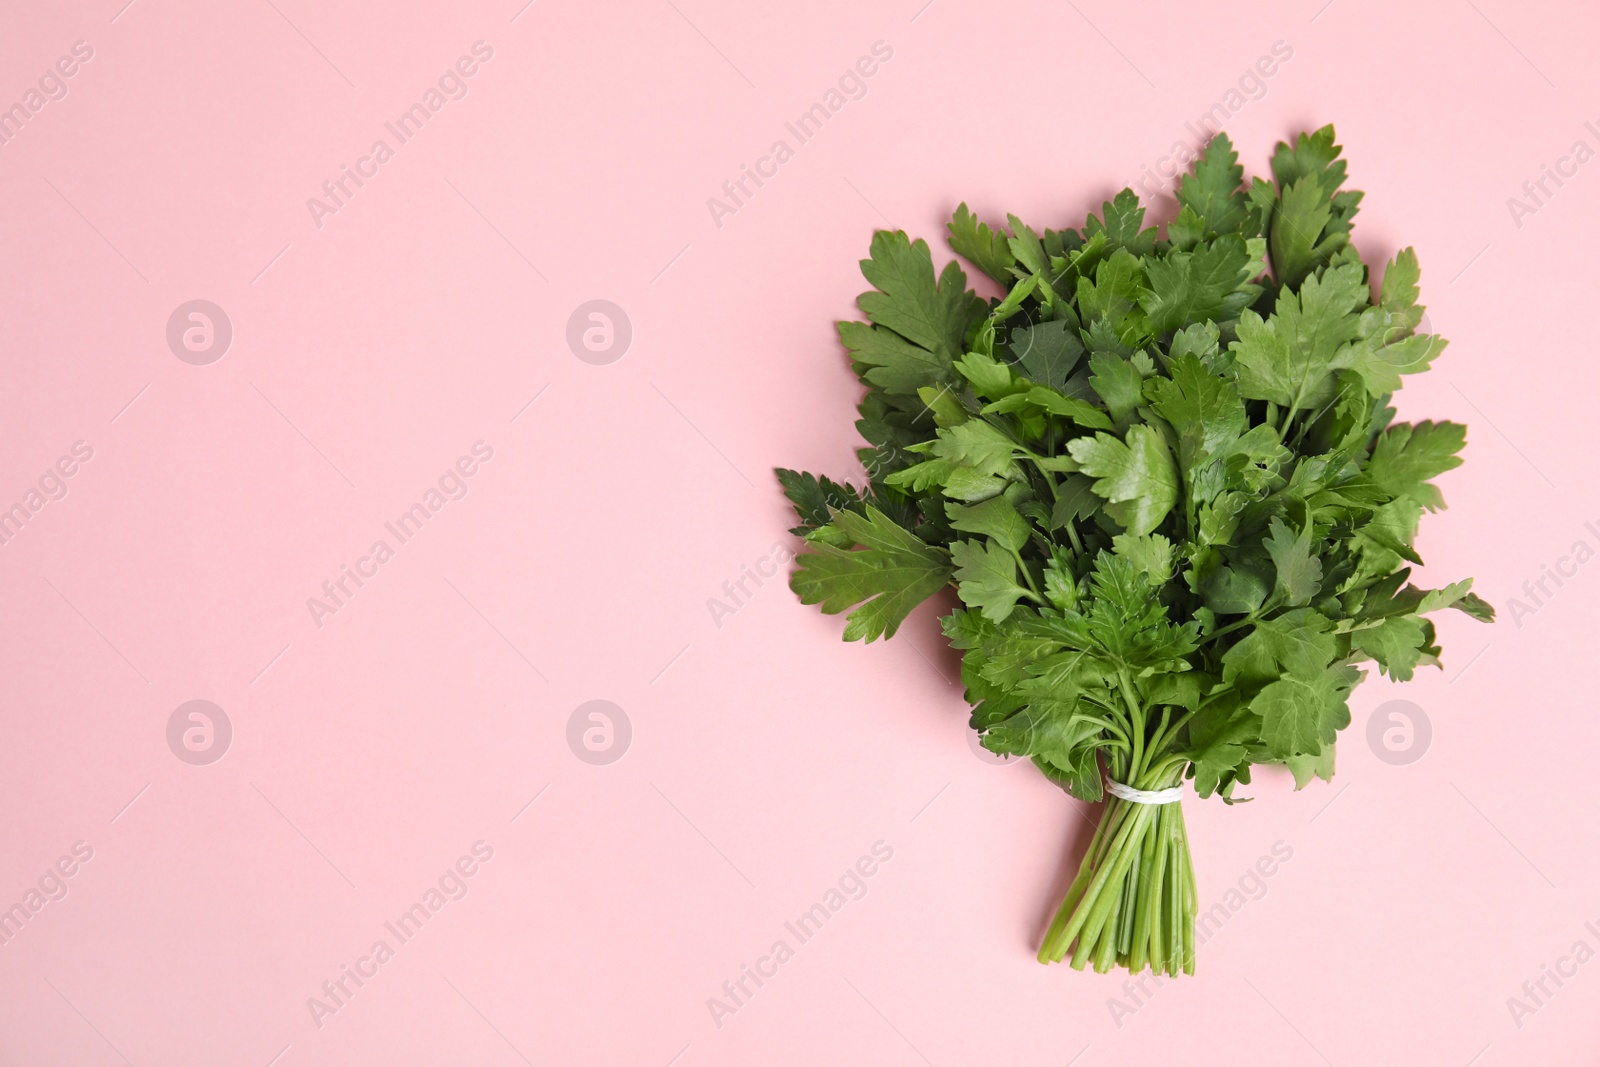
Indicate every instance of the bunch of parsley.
{"type": "Point", "coordinates": [1163, 476]}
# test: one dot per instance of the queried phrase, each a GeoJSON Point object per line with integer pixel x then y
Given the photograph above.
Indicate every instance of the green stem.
{"type": "Point", "coordinates": [1254, 616]}
{"type": "Point", "coordinates": [1027, 575]}
{"type": "Point", "coordinates": [1072, 535]}
{"type": "Point", "coordinates": [1164, 737]}
{"type": "Point", "coordinates": [1288, 415]}
{"type": "Point", "coordinates": [1135, 720]}
{"type": "Point", "coordinates": [1156, 739]}
{"type": "Point", "coordinates": [1069, 922]}
{"type": "Point", "coordinates": [1121, 735]}
{"type": "Point", "coordinates": [1131, 903]}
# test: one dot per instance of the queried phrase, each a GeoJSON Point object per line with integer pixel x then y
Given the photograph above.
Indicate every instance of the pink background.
{"type": "Point", "coordinates": [372, 751]}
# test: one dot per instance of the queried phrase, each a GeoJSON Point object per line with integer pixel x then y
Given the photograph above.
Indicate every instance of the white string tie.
{"type": "Point", "coordinates": [1144, 796]}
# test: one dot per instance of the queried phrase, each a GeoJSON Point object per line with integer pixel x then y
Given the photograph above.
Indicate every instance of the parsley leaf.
{"type": "Point", "coordinates": [986, 249]}
{"type": "Point", "coordinates": [891, 573]}
{"type": "Point", "coordinates": [1406, 458]}
{"type": "Point", "coordinates": [917, 325]}
{"type": "Point", "coordinates": [1290, 358]}
{"type": "Point", "coordinates": [1214, 191]}
{"type": "Point", "coordinates": [1137, 479]}
{"type": "Point", "coordinates": [987, 574]}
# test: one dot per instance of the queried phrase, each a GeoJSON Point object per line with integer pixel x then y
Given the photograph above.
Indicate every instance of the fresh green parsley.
{"type": "Point", "coordinates": [1163, 477]}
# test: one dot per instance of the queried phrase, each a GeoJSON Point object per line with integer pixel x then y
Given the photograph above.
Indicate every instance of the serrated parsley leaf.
{"type": "Point", "coordinates": [918, 324]}
{"type": "Point", "coordinates": [1136, 478]}
{"type": "Point", "coordinates": [1291, 357]}
{"type": "Point", "coordinates": [1199, 286]}
{"type": "Point", "coordinates": [1299, 571]}
{"type": "Point", "coordinates": [813, 498]}
{"type": "Point", "coordinates": [1214, 191]}
{"type": "Point", "coordinates": [1400, 290]}
{"type": "Point", "coordinates": [1150, 553]}
{"type": "Point", "coordinates": [984, 248]}
{"type": "Point", "coordinates": [1297, 244]}
{"type": "Point", "coordinates": [988, 376]}
{"type": "Point", "coordinates": [1306, 768]}
{"type": "Point", "coordinates": [887, 577]}
{"type": "Point", "coordinates": [987, 577]}
{"type": "Point", "coordinates": [1301, 714]}
{"type": "Point", "coordinates": [1045, 399]}
{"type": "Point", "coordinates": [1406, 457]}
{"type": "Point", "coordinates": [1310, 224]}
{"type": "Point", "coordinates": [995, 518]}
{"type": "Point", "coordinates": [1114, 300]}
{"type": "Point", "coordinates": [1299, 642]}
{"type": "Point", "coordinates": [1218, 738]}
{"type": "Point", "coordinates": [1123, 216]}
{"type": "Point", "coordinates": [970, 462]}
{"type": "Point", "coordinates": [1396, 644]}
{"type": "Point", "coordinates": [1311, 153]}
{"type": "Point", "coordinates": [1204, 409]}
{"type": "Point", "coordinates": [1118, 382]}
{"type": "Point", "coordinates": [1381, 366]}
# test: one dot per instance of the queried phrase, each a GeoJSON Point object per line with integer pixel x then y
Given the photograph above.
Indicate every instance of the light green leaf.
{"type": "Point", "coordinates": [1048, 400]}
{"type": "Point", "coordinates": [1060, 584]}
{"type": "Point", "coordinates": [1434, 599]}
{"type": "Point", "coordinates": [919, 324]}
{"type": "Point", "coordinates": [1297, 243]}
{"type": "Point", "coordinates": [1299, 569]}
{"type": "Point", "coordinates": [1115, 298]}
{"type": "Point", "coordinates": [1307, 768]}
{"type": "Point", "coordinates": [1299, 642]}
{"type": "Point", "coordinates": [1150, 553]}
{"type": "Point", "coordinates": [1137, 479]}
{"type": "Point", "coordinates": [1290, 358]}
{"type": "Point", "coordinates": [989, 377]}
{"type": "Point", "coordinates": [887, 577]}
{"type": "Point", "coordinates": [1118, 382]}
{"type": "Point", "coordinates": [1301, 714]}
{"type": "Point", "coordinates": [988, 578]}
{"type": "Point", "coordinates": [1407, 456]}
{"type": "Point", "coordinates": [1396, 644]}
{"type": "Point", "coordinates": [1214, 190]}
{"type": "Point", "coordinates": [995, 518]}
{"type": "Point", "coordinates": [1122, 218]}
{"type": "Point", "coordinates": [1199, 286]}
{"type": "Point", "coordinates": [984, 248]}
{"type": "Point", "coordinates": [1204, 409]}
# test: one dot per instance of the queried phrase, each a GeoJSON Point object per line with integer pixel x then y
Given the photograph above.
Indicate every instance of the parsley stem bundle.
{"type": "Point", "coordinates": [1164, 479]}
{"type": "Point", "coordinates": [1133, 900]}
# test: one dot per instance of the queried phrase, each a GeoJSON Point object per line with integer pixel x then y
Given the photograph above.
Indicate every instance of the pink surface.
{"type": "Point", "coordinates": [376, 746]}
